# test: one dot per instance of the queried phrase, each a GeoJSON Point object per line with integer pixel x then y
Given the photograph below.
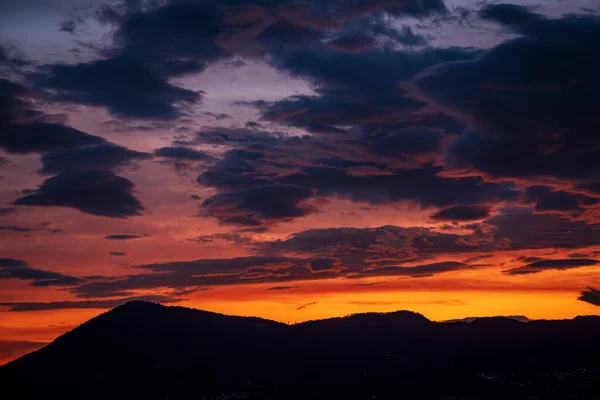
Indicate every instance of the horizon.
{"type": "Point", "coordinates": [297, 160]}
{"type": "Point", "coordinates": [7, 358]}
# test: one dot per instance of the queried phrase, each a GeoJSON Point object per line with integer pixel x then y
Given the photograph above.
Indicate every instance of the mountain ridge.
{"type": "Point", "coordinates": [165, 352]}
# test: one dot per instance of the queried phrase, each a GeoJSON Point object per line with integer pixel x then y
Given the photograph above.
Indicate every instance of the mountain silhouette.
{"type": "Point", "coordinates": [520, 318]}
{"type": "Point", "coordinates": [146, 350]}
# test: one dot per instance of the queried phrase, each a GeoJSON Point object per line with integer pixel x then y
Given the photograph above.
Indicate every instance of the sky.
{"type": "Point", "coordinates": [297, 160]}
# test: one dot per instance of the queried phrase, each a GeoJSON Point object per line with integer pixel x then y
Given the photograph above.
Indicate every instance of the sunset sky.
{"type": "Point", "coordinates": [297, 160]}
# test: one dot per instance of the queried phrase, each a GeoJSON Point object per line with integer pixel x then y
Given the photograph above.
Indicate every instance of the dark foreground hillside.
{"type": "Point", "coordinates": [147, 351]}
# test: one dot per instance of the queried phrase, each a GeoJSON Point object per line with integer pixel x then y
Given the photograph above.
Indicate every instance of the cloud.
{"type": "Point", "coordinates": [86, 304]}
{"type": "Point", "coordinates": [355, 253]}
{"type": "Point", "coordinates": [200, 274]}
{"type": "Point", "coordinates": [307, 305]}
{"type": "Point", "coordinates": [222, 265]}
{"type": "Point", "coordinates": [324, 264]}
{"type": "Point", "coordinates": [14, 228]}
{"type": "Point", "coordinates": [475, 259]}
{"type": "Point", "coordinates": [260, 205]}
{"type": "Point", "coordinates": [397, 7]}
{"type": "Point", "coordinates": [462, 213]}
{"type": "Point", "coordinates": [418, 271]}
{"type": "Point", "coordinates": [39, 137]}
{"type": "Point", "coordinates": [126, 86]}
{"type": "Point", "coordinates": [93, 192]}
{"type": "Point", "coordinates": [509, 14]}
{"type": "Point", "coordinates": [407, 37]}
{"type": "Point", "coordinates": [591, 296]}
{"type": "Point", "coordinates": [124, 237]}
{"type": "Point", "coordinates": [233, 238]}
{"type": "Point", "coordinates": [11, 268]}
{"type": "Point", "coordinates": [350, 93]}
{"type": "Point", "coordinates": [4, 211]}
{"type": "Point", "coordinates": [174, 31]}
{"type": "Point", "coordinates": [280, 288]}
{"type": "Point", "coordinates": [528, 230]}
{"type": "Point", "coordinates": [40, 228]}
{"type": "Point", "coordinates": [117, 254]}
{"type": "Point", "coordinates": [540, 266]}
{"type": "Point", "coordinates": [353, 44]}
{"type": "Point", "coordinates": [182, 153]}
{"type": "Point", "coordinates": [24, 129]}
{"type": "Point", "coordinates": [67, 26]}
{"type": "Point", "coordinates": [313, 165]}
{"type": "Point", "coordinates": [89, 158]}
{"type": "Point", "coordinates": [516, 129]}
{"type": "Point", "coordinates": [591, 188]}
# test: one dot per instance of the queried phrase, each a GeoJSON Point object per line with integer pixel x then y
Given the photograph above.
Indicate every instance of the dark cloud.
{"type": "Point", "coordinates": [350, 92]}
{"type": "Point", "coordinates": [279, 288]}
{"type": "Point", "coordinates": [307, 305]}
{"type": "Point", "coordinates": [591, 296]}
{"type": "Point", "coordinates": [4, 211]}
{"type": "Point", "coordinates": [579, 255]}
{"type": "Point", "coordinates": [540, 266]}
{"type": "Point", "coordinates": [152, 44]}
{"type": "Point", "coordinates": [387, 155]}
{"type": "Point", "coordinates": [554, 201]}
{"type": "Point", "coordinates": [67, 26]}
{"type": "Point", "coordinates": [509, 14]}
{"type": "Point", "coordinates": [124, 237]}
{"type": "Point", "coordinates": [127, 86]}
{"type": "Point", "coordinates": [86, 304]}
{"type": "Point", "coordinates": [407, 37]}
{"type": "Point", "coordinates": [176, 30]}
{"type": "Point", "coordinates": [40, 228]}
{"type": "Point", "coordinates": [418, 271]}
{"type": "Point", "coordinates": [355, 249]}
{"type": "Point", "coordinates": [89, 158]}
{"type": "Point", "coordinates": [591, 188]}
{"type": "Point", "coordinates": [475, 259]}
{"type": "Point", "coordinates": [16, 103]}
{"type": "Point", "coordinates": [234, 238]}
{"type": "Point", "coordinates": [353, 44]}
{"type": "Point", "coordinates": [324, 264]}
{"type": "Point", "coordinates": [93, 192]}
{"type": "Point", "coordinates": [424, 186]}
{"type": "Point", "coordinates": [117, 254]}
{"type": "Point", "coordinates": [24, 129]}
{"type": "Point", "coordinates": [462, 213]}
{"type": "Point", "coordinates": [15, 228]}
{"type": "Point", "coordinates": [41, 137]}
{"type": "Point", "coordinates": [11, 268]}
{"type": "Point", "coordinates": [332, 172]}
{"type": "Point", "coordinates": [182, 153]}
{"type": "Point", "coordinates": [222, 265]}
{"type": "Point", "coordinates": [388, 34]}
{"type": "Point", "coordinates": [259, 205]}
{"type": "Point", "coordinates": [397, 7]}
{"type": "Point", "coordinates": [508, 97]}
{"type": "Point", "coordinates": [354, 253]}
{"type": "Point", "coordinates": [528, 230]}
{"type": "Point", "coordinates": [200, 274]}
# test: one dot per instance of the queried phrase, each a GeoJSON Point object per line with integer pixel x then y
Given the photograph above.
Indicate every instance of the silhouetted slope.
{"type": "Point", "coordinates": [145, 350]}
{"type": "Point", "coordinates": [520, 318]}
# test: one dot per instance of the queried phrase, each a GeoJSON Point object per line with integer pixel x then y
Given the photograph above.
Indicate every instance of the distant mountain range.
{"type": "Point", "coordinates": [147, 351]}
{"type": "Point", "coordinates": [520, 318]}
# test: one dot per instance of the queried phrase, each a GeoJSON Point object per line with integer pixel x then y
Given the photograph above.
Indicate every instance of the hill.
{"type": "Point", "coordinates": [145, 350]}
